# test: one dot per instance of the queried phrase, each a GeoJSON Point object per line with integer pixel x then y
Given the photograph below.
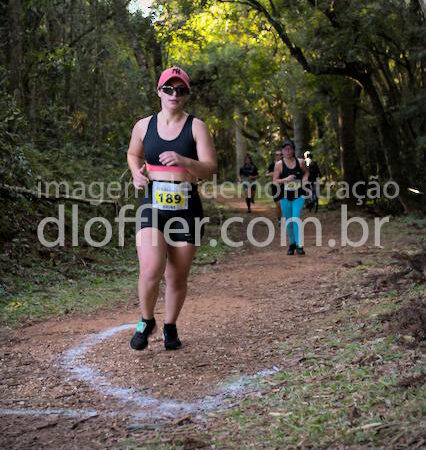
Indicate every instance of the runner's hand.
{"type": "Point", "coordinates": [290, 178]}
{"type": "Point", "coordinates": [172, 159]}
{"type": "Point", "coordinates": [139, 179]}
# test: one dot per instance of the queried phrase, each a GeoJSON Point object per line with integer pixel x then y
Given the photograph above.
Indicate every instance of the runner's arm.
{"type": "Point", "coordinates": [305, 170]}
{"type": "Point", "coordinates": [240, 175]}
{"type": "Point", "coordinates": [135, 153]}
{"type": "Point", "coordinates": [206, 166]}
{"type": "Point", "coordinates": [270, 173]}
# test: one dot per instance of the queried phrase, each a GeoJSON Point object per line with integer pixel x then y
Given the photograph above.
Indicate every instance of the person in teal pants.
{"type": "Point", "coordinates": [290, 173]}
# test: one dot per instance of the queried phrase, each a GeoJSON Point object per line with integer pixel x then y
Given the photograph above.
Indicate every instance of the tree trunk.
{"type": "Point", "coordinates": [302, 132]}
{"type": "Point", "coordinates": [423, 6]}
{"type": "Point", "coordinates": [240, 145]}
{"type": "Point", "coordinates": [349, 161]}
{"type": "Point", "coordinates": [69, 98]}
{"type": "Point", "coordinates": [96, 92]}
{"type": "Point", "coordinates": [15, 42]}
{"type": "Point", "coordinates": [389, 139]}
{"type": "Point", "coordinates": [377, 160]}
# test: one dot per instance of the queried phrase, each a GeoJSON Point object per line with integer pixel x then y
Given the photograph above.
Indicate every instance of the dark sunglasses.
{"type": "Point", "coordinates": [181, 91]}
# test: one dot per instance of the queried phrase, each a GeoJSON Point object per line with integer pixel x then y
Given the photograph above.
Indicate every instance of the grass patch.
{"type": "Point", "coordinates": [345, 391]}
{"type": "Point", "coordinates": [85, 296]}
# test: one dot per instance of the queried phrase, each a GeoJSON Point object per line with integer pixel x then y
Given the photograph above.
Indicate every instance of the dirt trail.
{"type": "Point", "coordinates": [237, 317]}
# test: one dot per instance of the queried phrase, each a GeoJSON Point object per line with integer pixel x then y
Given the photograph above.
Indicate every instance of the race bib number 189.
{"type": "Point", "coordinates": [169, 196]}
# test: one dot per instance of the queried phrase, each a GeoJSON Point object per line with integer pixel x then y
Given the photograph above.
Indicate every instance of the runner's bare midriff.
{"type": "Point", "coordinates": [171, 176]}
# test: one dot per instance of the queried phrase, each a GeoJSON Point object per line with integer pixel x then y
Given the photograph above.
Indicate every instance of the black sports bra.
{"type": "Point", "coordinates": [298, 172]}
{"type": "Point", "coordinates": [154, 145]}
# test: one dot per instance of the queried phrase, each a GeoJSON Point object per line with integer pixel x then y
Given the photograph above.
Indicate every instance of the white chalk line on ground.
{"type": "Point", "coordinates": [135, 404]}
{"type": "Point", "coordinates": [47, 412]}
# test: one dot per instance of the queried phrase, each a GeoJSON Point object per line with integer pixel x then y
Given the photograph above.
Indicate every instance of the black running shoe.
{"type": "Point", "coordinates": [291, 249]}
{"type": "Point", "coordinates": [144, 328]}
{"type": "Point", "coordinates": [300, 251]}
{"type": "Point", "coordinates": [171, 339]}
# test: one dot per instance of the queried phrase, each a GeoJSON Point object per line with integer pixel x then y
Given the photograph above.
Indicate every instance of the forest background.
{"type": "Point", "coordinates": [345, 79]}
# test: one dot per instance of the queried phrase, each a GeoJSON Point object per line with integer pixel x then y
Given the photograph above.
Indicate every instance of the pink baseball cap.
{"type": "Point", "coordinates": [173, 72]}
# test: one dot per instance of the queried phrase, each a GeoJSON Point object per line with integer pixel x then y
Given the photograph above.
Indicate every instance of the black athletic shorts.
{"type": "Point", "coordinates": [183, 224]}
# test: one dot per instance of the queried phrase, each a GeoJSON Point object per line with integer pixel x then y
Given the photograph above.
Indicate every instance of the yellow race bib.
{"type": "Point", "coordinates": [170, 196]}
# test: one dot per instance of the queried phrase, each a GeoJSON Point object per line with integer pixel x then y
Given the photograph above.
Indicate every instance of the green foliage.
{"type": "Point", "coordinates": [13, 163]}
{"type": "Point", "coordinates": [379, 39]}
{"type": "Point", "coordinates": [236, 71]}
{"type": "Point", "coordinates": [79, 90]}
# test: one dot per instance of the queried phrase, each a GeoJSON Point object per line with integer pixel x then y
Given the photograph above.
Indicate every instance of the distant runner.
{"type": "Point", "coordinates": [248, 175]}
{"type": "Point", "coordinates": [290, 172]}
{"type": "Point", "coordinates": [168, 152]}
{"type": "Point", "coordinates": [314, 175]}
{"type": "Point", "coordinates": [274, 189]}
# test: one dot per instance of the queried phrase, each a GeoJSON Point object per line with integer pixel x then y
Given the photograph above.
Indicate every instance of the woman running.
{"type": "Point", "coordinates": [291, 172]}
{"type": "Point", "coordinates": [167, 153]}
{"type": "Point", "coordinates": [248, 175]}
